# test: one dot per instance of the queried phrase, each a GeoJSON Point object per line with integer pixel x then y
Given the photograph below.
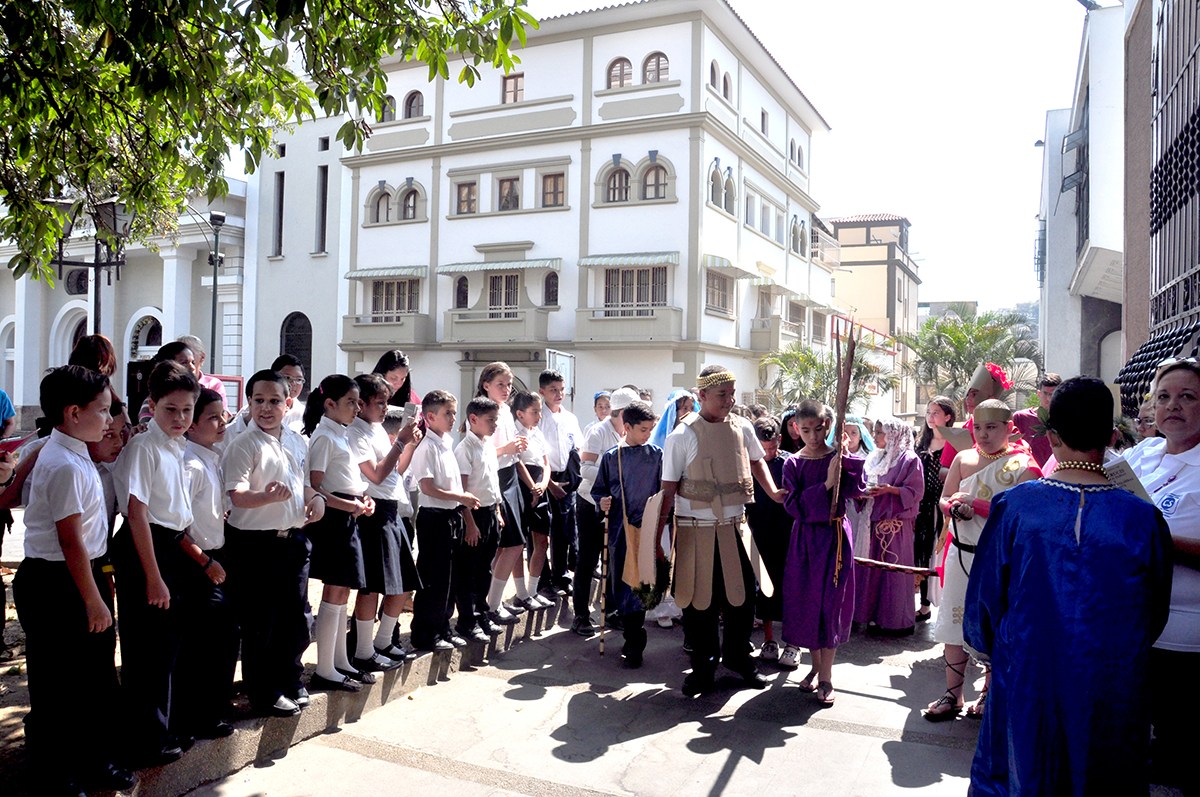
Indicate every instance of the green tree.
{"type": "Point", "coordinates": [947, 350]}
{"type": "Point", "coordinates": [144, 99]}
{"type": "Point", "coordinates": [802, 373]}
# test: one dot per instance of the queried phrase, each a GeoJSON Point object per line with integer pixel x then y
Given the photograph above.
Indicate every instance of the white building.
{"type": "Point", "coordinates": [632, 204]}
{"type": "Point", "coordinates": [164, 290]}
{"type": "Point", "coordinates": [1081, 220]}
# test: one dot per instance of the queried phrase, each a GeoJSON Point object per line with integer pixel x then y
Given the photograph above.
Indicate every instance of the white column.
{"type": "Point", "coordinates": [29, 343]}
{"type": "Point", "coordinates": [177, 292]}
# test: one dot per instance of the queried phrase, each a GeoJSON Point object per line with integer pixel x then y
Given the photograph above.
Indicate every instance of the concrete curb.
{"type": "Point", "coordinates": [258, 740]}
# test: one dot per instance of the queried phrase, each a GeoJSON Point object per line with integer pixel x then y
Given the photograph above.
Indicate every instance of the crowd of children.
{"type": "Point", "coordinates": [223, 520]}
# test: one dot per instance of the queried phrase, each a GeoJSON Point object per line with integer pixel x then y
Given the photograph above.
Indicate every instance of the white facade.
{"type": "Point", "coordinates": [163, 291]}
{"type": "Point", "coordinates": [1081, 220]}
{"type": "Point", "coordinates": [650, 286]}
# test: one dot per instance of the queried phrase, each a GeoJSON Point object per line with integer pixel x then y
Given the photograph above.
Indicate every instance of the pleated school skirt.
{"type": "Point", "coordinates": [387, 550]}
{"type": "Point", "coordinates": [337, 555]}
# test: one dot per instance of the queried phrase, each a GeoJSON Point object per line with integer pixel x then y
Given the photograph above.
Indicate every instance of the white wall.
{"type": "Point", "coordinates": [1061, 313]}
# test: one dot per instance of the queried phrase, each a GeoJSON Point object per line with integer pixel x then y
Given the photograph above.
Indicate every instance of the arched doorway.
{"type": "Point", "coordinates": [295, 338]}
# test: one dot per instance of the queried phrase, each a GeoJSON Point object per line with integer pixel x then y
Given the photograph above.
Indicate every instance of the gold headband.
{"type": "Point", "coordinates": [992, 415]}
{"type": "Point", "coordinates": [712, 380]}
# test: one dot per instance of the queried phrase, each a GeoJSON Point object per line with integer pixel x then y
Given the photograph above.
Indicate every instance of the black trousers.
{"type": "Point", "coordinates": [591, 541]}
{"type": "Point", "coordinates": [473, 567]}
{"type": "Point", "coordinates": [150, 636]}
{"type": "Point", "coordinates": [267, 585]}
{"type": "Point", "coordinates": [703, 627]}
{"type": "Point", "coordinates": [1176, 734]}
{"type": "Point", "coordinates": [562, 536]}
{"type": "Point", "coordinates": [66, 736]}
{"type": "Point", "coordinates": [439, 535]}
{"type": "Point", "coordinates": [208, 651]}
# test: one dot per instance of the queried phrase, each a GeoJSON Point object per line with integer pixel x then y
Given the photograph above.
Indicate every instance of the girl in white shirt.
{"type": "Point", "coordinates": [336, 549]}
{"type": "Point", "coordinates": [534, 469]}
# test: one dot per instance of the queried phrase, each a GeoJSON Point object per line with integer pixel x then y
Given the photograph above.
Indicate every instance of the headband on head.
{"type": "Point", "coordinates": [712, 380]}
{"type": "Point", "coordinates": [992, 415]}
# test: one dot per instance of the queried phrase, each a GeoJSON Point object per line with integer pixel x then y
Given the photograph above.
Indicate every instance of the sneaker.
{"type": "Point", "coordinates": [790, 658]}
{"type": "Point", "coordinates": [770, 651]}
{"type": "Point", "coordinates": [582, 625]}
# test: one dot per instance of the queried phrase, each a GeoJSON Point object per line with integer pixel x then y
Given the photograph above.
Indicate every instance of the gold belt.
{"type": "Point", "coordinates": [703, 523]}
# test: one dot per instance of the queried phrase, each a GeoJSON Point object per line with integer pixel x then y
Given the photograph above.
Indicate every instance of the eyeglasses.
{"type": "Point", "coordinates": [1144, 424]}
{"type": "Point", "coordinates": [295, 380]}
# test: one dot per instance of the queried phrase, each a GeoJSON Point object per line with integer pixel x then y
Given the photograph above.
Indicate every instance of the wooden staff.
{"type": "Point", "coordinates": [845, 371]}
{"type": "Point", "coordinates": [603, 583]}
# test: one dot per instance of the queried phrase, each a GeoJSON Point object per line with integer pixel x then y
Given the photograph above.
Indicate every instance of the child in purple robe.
{"type": "Point", "coordinates": [818, 579]}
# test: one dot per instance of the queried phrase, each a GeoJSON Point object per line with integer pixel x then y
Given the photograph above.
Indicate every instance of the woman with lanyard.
{"type": "Point", "coordinates": [1169, 468]}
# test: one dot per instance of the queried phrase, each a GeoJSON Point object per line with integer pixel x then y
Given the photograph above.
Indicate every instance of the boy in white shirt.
{"type": "Point", "coordinates": [479, 466]}
{"type": "Point", "coordinates": [560, 428]}
{"type": "Point", "coordinates": [153, 495]}
{"type": "Point", "coordinates": [206, 660]}
{"type": "Point", "coordinates": [439, 524]}
{"type": "Point", "coordinates": [64, 600]}
{"type": "Point", "coordinates": [266, 550]}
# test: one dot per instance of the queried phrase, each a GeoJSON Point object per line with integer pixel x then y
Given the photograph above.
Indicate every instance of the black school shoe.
{"type": "Point", "coordinates": [283, 706]}
{"type": "Point", "coordinates": [358, 675]}
{"type": "Point", "coordinates": [453, 638]}
{"type": "Point", "coordinates": [302, 698]}
{"type": "Point", "coordinates": [490, 628]}
{"type": "Point", "coordinates": [343, 683]}
{"type": "Point", "coordinates": [475, 634]}
{"type": "Point", "coordinates": [107, 778]}
{"type": "Point", "coordinates": [216, 730]}
{"type": "Point", "coordinates": [436, 644]}
{"type": "Point", "coordinates": [396, 652]}
{"type": "Point", "coordinates": [376, 663]}
{"type": "Point", "coordinates": [697, 683]}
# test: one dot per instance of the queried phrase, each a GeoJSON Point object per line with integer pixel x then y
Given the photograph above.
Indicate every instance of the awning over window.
{"type": "Point", "coordinates": [553, 263]}
{"type": "Point", "coordinates": [724, 266]}
{"type": "Point", "coordinates": [1137, 374]}
{"type": "Point", "coordinates": [767, 282]}
{"type": "Point", "coordinates": [393, 272]}
{"type": "Point", "coordinates": [630, 260]}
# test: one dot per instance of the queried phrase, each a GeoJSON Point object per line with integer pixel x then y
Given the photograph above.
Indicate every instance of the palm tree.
{"type": "Point", "coordinates": [947, 350]}
{"type": "Point", "coordinates": [801, 373]}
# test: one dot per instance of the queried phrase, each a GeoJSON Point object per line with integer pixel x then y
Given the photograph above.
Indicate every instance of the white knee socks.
{"type": "Point", "coordinates": [365, 645]}
{"type": "Point", "coordinates": [387, 624]}
{"type": "Point", "coordinates": [330, 617]}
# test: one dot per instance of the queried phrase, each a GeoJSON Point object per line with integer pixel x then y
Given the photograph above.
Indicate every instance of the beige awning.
{"type": "Point", "coordinates": [386, 273]}
{"type": "Point", "coordinates": [553, 263]}
{"type": "Point", "coordinates": [767, 282]}
{"type": "Point", "coordinates": [722, 265]}
{"type": "Point", "coordinates": [631, 259]}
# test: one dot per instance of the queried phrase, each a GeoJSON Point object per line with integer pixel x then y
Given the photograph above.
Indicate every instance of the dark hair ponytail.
{"type": "Point", "coordinates": [332, 388]}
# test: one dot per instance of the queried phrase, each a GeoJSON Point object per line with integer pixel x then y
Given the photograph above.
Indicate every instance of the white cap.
{"type": "Point", "coordinates": [622, 398]}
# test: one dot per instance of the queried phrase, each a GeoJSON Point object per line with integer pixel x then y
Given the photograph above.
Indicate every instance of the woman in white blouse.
{"type": "Point", "coordinates": [1169, 468]}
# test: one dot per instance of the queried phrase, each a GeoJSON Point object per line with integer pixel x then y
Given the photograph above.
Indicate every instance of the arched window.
{"type": "Point", "coordinates": [618, 186]}
{"type": "Point", "coordinates": [716, 184]}
{"type": "Point", "coordinates": [714, 75]}
{"type": "Point", "coordinates": [414, 105]}
{"type": "Point", "coordinates": [727, 88]}
{"type": "Point", "coordinates": [620, 73]}
{"type": "Point", "coordinates": [792, 151]}
{"type": "Point", "coordinates": [409, 208]}
{"type": "Point", "coordinates": [295, 338]}
{"type": "Point", "coordinates": [81, 330]}
{"type": "Point", "coordinates": [796, 237]}
{"type": "Point", "coordinates": [800, 156]}
{"type": "Point", "coordinates": [654, 69]}
{"type": "Point", "coordinates": [460, 293]}
{"type": "Point", "coordinates": [388, 114]}
{"type": "Point", "coordinates": [730, 196]}
{"type": "Point", "coordinates": [550, 290]}
{"type": "Point", "coordinates": [654, 183]}
{"type": "Point", "coordinates": [383, 208]}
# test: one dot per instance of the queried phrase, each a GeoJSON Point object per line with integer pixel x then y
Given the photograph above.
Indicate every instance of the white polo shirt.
{"type": "Point", "coordinates": [151, 470]}
{"type": "Point", "coordinates": [535, 449]}
{"type": "Point", "coordinates": [1173, 482]}
{"type": "Point", "coordinates": [370, 443]}
{"type": "Point", "coordinates": [329, 453]}
{"type": "Point", "coordinates": [506, 430]}
{"type": "Point", "coordinates": [255, 459]}
{"type": "Point", "coordinates": [64, 482]}
{"type": "Point", "coordinates": [203, 466]}
{"type": "Point", "coordinates": [562, 433]}
{"type": "Point", "coordinates": [434, 459]}
{"type": "Point", "coordinates": [679, 452]}
{"type": "Point", "coordinates": [477, 460]}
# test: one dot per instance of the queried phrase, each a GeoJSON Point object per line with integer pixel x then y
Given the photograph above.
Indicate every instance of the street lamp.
{"type": "Point", "coordinates": [112, 224]}
{"type": "Point", "coordinates": [216, 220]}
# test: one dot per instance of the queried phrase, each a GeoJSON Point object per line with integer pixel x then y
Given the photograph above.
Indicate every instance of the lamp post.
{"type": "Point", "coordinates": [217, 220]}
{"type": "Point", "coordinates": [110, 218]}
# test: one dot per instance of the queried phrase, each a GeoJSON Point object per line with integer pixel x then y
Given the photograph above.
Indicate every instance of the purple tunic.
{"type": "Point", "coordinates": [816, 613]}
{"type": "Point", "coordinates": [887, 598]}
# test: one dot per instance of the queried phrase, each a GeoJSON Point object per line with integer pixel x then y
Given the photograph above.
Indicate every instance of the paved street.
{"type": "Point", "coordinates": [551, 717]}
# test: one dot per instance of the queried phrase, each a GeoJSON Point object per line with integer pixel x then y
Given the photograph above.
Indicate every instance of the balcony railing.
{"type": "Point", "coordinates": [386, 330]}
{"type": "Point", "coordinates": [772, 334]}
{"type": "Point", "coordinates": [826, 250]}
{"type": "Point", "coordinates": [496, 325]}
{"type": "Point", "coordinates": [628, 324]}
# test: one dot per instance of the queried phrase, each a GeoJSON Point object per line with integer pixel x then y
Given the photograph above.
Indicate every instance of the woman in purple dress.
{"type": "Point", "coordinates": [896, 483]}
{"type": "Point", "coordinates": [818, 579]}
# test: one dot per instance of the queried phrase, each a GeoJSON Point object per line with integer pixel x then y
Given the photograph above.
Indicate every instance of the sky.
{"type": "Point", "coordinates": [935, 107]}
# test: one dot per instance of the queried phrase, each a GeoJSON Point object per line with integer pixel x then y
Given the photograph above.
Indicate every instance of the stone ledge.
{"type": "Point", "coordinates": [258, 740]}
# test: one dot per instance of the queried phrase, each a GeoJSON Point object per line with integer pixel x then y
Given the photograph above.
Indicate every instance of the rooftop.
{"type": "Point", "coordinates": [869, 217]}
